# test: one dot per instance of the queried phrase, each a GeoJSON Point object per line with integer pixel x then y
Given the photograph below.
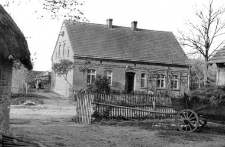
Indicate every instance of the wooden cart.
{"type": "Point", "coordinates": [193, 115]}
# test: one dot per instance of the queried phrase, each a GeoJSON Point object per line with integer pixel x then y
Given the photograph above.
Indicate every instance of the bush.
{"type": "Point", "coordinates": [100, 85]}
{"type": "Point", "coordinates": [213, 95]}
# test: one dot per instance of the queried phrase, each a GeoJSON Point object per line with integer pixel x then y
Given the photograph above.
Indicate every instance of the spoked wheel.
{"type": "Point", "coordinates": [202, 123]}
{"type": "Point", "coordinates": [187, 120]}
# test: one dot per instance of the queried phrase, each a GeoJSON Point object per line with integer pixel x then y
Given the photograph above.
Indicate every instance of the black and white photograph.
{"type": "Point", "coordinates": [112, 73]}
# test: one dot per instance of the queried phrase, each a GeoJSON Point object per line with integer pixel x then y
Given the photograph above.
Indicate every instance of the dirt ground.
{"type": "Point", "coordinates": [52, 125]}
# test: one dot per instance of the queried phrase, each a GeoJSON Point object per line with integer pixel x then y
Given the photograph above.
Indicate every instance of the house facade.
{"type": "Point", "coordinates": [13, 46]}
{"type": "Point", "coordinates": [132, 59]}
{"type": "Point", "coordinates": [219, 59]}
{"type": "Point", "coordinates": [18, 80]}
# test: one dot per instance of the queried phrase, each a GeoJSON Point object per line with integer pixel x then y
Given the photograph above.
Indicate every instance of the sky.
{"type": "Point", "coordinates": [42, 33]}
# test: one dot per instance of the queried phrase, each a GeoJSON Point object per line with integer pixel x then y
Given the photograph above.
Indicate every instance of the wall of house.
{"type": "Point", "coordinates": [59, 84]}
{"type": "Point", "coordinates": [220, 80]}
{"type": "Point", "coordinates": [5, 94]}
{"type": "Point", "coordinates": [18, 80]}
{"type": "Point", "coordinates": [119, 71]}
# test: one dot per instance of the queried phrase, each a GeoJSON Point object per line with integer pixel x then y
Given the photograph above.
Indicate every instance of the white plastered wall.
{"type": "Point", "coordinates": [61, 86]}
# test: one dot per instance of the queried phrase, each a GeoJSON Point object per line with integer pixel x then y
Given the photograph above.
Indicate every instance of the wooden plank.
{"type": "Point", "coordinates": [135, 106]}
{"type": "Point", "coordinates": [152, 111]}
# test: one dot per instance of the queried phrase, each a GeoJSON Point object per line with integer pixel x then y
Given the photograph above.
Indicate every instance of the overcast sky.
{"type": "Point", "coordinates": [164, 15]}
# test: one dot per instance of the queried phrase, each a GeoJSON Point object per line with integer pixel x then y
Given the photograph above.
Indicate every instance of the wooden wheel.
{"type": "Point", "coordinates": [202, 123]}
{"type": "Point", "coordinates": [187, 120]}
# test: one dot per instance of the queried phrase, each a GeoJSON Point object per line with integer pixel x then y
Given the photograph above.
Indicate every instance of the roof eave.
{"type": "Point", "coordinates": [131, 61]}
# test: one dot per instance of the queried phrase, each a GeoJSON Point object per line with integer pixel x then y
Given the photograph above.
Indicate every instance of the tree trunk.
{"type": "Point", "coordinates": [26, 86]}
{"type": "Point", "coordinates": [205, 72]}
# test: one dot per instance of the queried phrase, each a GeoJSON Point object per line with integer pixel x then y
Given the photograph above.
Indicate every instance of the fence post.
{"type": "Point", "coordinates": [153, 102]}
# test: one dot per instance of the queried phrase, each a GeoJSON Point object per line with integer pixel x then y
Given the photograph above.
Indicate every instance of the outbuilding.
{"type": "Point", "coordinates": [13, 46]}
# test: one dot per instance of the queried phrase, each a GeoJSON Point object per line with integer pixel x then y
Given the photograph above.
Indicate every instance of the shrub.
{"type": "Point", "coordinates": [213, 95]}
{"type": "Point", "coordinates": [100, 85]}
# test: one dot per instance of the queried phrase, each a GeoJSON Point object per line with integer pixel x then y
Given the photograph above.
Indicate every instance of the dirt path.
{"type": "Point", "coordinates": [52, 125]}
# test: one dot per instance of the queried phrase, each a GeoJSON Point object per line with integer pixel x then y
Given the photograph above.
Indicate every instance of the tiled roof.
{"type": "Point", "coordinates": [98, 40]}
{"type": "Point", "coordinates": [219, 56]}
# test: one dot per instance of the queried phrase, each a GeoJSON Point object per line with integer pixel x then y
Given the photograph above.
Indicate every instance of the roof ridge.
{"type": "Point", "coordinates": [114, 26]}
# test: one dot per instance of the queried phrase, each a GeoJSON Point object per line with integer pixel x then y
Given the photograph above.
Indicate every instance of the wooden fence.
{"type": "Point", "coordinates": [123, 106]}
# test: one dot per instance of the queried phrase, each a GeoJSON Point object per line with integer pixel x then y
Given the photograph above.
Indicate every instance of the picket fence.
{"type": "Point", "coordinates": [123, 106]}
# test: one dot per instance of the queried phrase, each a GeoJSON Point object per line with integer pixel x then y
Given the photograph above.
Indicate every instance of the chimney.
{"type": "Point", "coordinates": [134, 25]}
{"type": "Point", "coordinates": [109, 22]}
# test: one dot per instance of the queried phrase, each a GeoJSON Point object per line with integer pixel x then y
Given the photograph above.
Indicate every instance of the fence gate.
{"type": "Point", "coordinates": [84, 108]}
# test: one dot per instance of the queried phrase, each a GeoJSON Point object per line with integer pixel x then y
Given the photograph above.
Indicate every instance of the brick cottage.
{"type": "Point", "coordinates": [13, 46]}
{"type": "Point", "coordinates": [133, 59]}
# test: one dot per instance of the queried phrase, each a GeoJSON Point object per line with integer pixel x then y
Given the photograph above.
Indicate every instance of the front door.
{"type": "Point", "coordinates": [129, 83]}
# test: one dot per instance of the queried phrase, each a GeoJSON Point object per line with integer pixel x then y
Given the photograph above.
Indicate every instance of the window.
{"type": "Point", "coordinates": [91, 74]}
{"type": "Point", "coordinates": [68, 53]}
{"type": "Point", "coordinates": [161, 80]}
{"type": "Point", "coordinates": [59, 50]}
{"type": "Point", "coordinates": [175, 81]}
{"type": "Point", "coordinates": [109, 76]}
{"type": "Point", "coordinates": [143, 80]}
{"type": "Point", "coordinates": [64, 44]}
{"type": "Point", "coordinates": [56, 55]}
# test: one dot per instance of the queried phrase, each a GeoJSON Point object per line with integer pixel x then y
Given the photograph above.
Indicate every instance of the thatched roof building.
{"type": "Point", "coordinates": [12, 41]}
{"type": "Point", "coordinates": [13, 45]}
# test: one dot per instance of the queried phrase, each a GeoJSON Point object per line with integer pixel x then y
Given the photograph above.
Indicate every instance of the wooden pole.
{"type": "Point", "coordinates": [130, 108]}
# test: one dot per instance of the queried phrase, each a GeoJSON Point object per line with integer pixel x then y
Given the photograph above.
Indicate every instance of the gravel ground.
{"type": "Point", "coordinates": [52, 125]}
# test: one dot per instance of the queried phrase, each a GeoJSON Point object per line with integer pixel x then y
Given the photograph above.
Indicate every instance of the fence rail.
{"type": "Point", "coordinates": [125, 106]}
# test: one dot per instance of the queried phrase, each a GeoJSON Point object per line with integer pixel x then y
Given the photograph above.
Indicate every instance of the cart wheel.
{"type": "Point", "coordinates": [202, 123]}
{"type": "Point", "coordinates": [187, 120]}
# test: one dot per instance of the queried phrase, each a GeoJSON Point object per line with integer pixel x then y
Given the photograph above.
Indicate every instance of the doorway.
{"type": "Point", "coordinates": [129, 83]}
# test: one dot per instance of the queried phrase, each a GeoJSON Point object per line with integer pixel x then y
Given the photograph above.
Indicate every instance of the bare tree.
{"type": "Point", "coordinates": [58, 9]}
{"type": "Point", "coordinates": [204, 36]}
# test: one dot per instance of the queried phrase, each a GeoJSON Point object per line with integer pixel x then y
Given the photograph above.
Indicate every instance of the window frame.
{"type": "Point", "coordinates": [64, 45]}
{"type": "Point", "coordinates": [90, 74]}
{"type": "Point", "coordinates": [59, 50]}
{"type": "Point", "coordinates": [109, 75]}
{"type": "Point", "coordinates": [177, 80]}
{"type": "Point", "coordinates": [68, 52]}
{"type": "Point", "coordinates": [161, 79]}
{"type": "Point", "coordinates": [143, 80]}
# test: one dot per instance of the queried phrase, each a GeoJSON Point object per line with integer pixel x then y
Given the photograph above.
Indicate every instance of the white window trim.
{"type": "Point", "coordinates": [64, 45]}
{"type": "Point", "coordinates": [91, 74]}
{"type": "Point", "coordinates": [68, 52]}
{"type": "Point", "coordinates": [178, 81]}
{"type": "Point", "coordinates": [144, 79]}
{"type": "Point", "coordinates": [109, 75]}
{"type": "Point", "coordinates": [160, 79]}
{"type": "Point", "coordinates": [59, 50]}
